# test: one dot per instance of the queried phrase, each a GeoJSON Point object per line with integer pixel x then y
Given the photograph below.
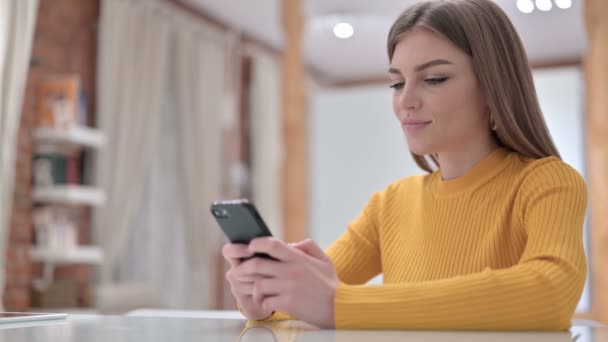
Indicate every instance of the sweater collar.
{"type": "Point", "coordinates": [481, 172]}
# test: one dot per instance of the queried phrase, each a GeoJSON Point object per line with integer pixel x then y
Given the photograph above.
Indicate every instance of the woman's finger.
{"type": "Point", "coordinates": [236, 275]}
{"type": "Point", "coordinates": [258, 267]}
{"type": "Point", "coordinates": [275, 303]}
{"type": "Point", "coordinates": [309, 247]}
{"type": "Point", "coordinates": [273, 247]}
{"type": "Point", "coordinates": [256, 294]}
{"type": "Point", "coordinates": [247, 278]}
{"type": "Point", "coordinates": [268, 287]}
{"type": "Point", "coordinates": [234, 253]}
{"type": "Point", "coordinates": [243, 289]}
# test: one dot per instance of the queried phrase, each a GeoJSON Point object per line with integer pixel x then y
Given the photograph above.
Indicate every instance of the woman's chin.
{"type": "Point", "coordinates": [420, 149]}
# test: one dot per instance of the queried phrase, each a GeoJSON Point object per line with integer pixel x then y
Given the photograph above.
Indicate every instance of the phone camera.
{"type": "Point", "coordinates": [219, 213]}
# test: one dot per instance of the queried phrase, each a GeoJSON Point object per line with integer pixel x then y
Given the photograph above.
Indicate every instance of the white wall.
{"type": "Point", "coordinates": [560, 92]}
{"type": "Point", "coordinates": [357, 146]}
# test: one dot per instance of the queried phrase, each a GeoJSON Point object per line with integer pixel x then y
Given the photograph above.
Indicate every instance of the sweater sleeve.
{"type": "Point", "coordinates": [356, 254]}
{"type": "Point", "coordinates": [539, 293]}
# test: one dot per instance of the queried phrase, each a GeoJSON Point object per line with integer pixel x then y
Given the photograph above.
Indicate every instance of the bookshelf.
{"type": "Point", "coordinates": [80, 255]}
{"type": "Point", "coordinates": [76, 135]}
{"type": "Point", "coordinates": [69, 194]}
{"type": "Point", "coordinates": [50, 258]}
{"type": "Point", "coordinates": [66, 141]}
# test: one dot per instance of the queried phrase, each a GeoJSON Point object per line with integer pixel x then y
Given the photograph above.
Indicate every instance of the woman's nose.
{"type": "Point", "coordinates": [409, 100]}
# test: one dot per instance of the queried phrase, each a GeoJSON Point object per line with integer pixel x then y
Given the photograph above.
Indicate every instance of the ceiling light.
{"type": "Point", "coordinates": [526, 6]}
{"type": "Point", "coordinates": [343, 30]}
{"type": "Point", "coordinates": [563, 3]}
{"type": "Point", "coordinates": [544, 5]}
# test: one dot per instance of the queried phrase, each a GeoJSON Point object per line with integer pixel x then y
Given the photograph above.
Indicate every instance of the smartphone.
{"type": "Point", "coordinates": [241, 222]}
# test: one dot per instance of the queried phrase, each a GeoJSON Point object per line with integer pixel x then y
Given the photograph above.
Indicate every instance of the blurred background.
{"type": "Point", "coordinates": [122, 120]}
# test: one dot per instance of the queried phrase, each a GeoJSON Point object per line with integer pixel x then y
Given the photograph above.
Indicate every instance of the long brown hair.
{"type": "Point", "coordinates": [482, 30]}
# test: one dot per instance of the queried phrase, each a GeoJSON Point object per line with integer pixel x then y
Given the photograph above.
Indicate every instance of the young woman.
{"type": "Point", "coordinates": [490, 238]}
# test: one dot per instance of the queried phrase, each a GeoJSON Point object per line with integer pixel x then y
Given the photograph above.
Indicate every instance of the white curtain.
{"type": "Point", "coordinates": [266, 138]}
{"type": "Point", "coordinates": [132, 69]}
{"type": "Point", "coordinates": [156, 253]}
{"type": "Point", "coordinates": [17, 23]}
{"type": "Point", "coordinates": [164, 235]}
{"type": "Point", "coordinates": [174, 230]}
{"type": "Point", "coordinates": [204, 75]}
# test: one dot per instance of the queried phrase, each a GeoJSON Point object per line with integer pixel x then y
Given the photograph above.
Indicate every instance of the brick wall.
{"type": "Point", "coordinates": [65, 41]}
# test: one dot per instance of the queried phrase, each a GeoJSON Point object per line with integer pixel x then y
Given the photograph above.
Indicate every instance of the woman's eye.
{"type": "Point", "coordinates": [397, 85]}
{"type": "Point", "coordinates": [435, 80]}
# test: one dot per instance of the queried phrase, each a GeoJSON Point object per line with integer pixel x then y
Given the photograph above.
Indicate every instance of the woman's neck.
{"type": "Point", "coordinates": [456, 162]}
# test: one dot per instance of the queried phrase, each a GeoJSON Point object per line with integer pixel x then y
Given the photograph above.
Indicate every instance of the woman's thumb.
{"type": "Point", "coordinates": [309, 247]}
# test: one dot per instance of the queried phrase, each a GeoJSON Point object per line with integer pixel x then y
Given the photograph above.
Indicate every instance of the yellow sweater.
{"type": "Point", "coordinates": [499, 248]}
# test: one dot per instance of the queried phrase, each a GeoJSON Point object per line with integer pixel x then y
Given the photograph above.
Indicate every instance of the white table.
{"type": "Point", "coordinates": [186, 326]}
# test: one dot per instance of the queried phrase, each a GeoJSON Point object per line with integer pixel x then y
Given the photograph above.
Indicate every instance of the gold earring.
{"type": "Point", "coordinates": [492, 123]}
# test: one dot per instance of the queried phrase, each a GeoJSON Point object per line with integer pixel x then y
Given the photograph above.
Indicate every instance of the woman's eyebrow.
{"type": "Point", "coordinates": [431, 63]}
{"type": "Point", "coordinates": [423, 66]}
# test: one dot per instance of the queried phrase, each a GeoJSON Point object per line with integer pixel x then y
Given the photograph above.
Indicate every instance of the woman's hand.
{"type": "Point", "coordinates": [302, 283]}
{"type": "Point", "coordinates": [242, 285]}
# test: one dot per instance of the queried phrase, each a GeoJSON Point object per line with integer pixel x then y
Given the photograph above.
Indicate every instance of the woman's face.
{"type": "Point", "coordinates": [437, 97]}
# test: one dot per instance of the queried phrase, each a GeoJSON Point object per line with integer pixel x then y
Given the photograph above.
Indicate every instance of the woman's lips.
{"type": "Point", "coordinates": [414, 125]}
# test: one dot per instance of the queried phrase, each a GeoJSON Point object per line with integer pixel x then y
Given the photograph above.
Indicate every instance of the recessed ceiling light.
{"type": "Point", "coordinates": [343, 30]}
{"type": "Point", "coordinates": [526, 6]}
{"type": "Point", "coordinates": [563, 3]}
{"type": "Point", "coordinates": [544, 5]}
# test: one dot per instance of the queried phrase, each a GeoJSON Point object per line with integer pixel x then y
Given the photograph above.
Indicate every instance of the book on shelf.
{"type": "Point", "coordinates": [61, 101]}
{"type": "Point", "coordinates": [73, 170]}
{"type": "Point", "coordinates": [55, 227]}
{"type": "Point", "coordinates": [53, 168]}
{"type": "Point", "coordinates": [49, 169]}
